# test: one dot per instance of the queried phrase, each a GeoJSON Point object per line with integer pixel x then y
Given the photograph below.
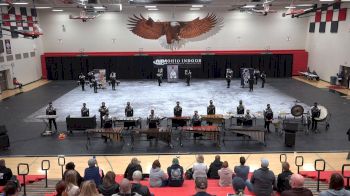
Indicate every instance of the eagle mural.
{"type": "Point", "coordinates": [173, 30]}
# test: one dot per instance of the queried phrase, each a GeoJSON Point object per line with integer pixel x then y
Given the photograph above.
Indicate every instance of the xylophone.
{"type": "Point", "coordinates": [253, 132]}
{"type": "Point", "coordinates": [214, 118]}
{"type": "Point", "coordinates": [113, 134]}
{"type": "Point", "coordinates": [160, 133]}
{"type": "Point", "coordinates": [212, 132]}
{"type": "Point", "coordinates": [179, 121]}
{"type": "Point", "coordinates": [128, 121]}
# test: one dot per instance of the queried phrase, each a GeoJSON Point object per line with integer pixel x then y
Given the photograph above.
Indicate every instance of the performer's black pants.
{"type": "Point", "coordinates": [101, 118]}
{"type": "Point", "coordinates": [113, 85]}
{"type": "Point", "coordinates": [52, 120]}
{"type": "Point", "coordinates": [228, 83]}
{"type": "Point", "coordinates": [250, 88]}
{"type": "Point", "coordinates": [95, 89]}
{"type": "Point", "coordinates": [159, 81]}
{"type": "Point", "coordinates": [256, 81]}
{"type": "Point", "coordinates": [262, 84]}
{"type": "Point", "coordinates": [267, 125]}
{"type": "Point", "coordinates": [313, 124]}
{"type": "Point", "coordinates": [83, 87]}
{"type": "Point", "coordinates": [188, 82]}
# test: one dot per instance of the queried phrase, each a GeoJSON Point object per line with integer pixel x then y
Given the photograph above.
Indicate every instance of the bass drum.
{"type": "Point", "coordinates": [297, 110]}
{"type": "Point", "coordinates": [323, 113]}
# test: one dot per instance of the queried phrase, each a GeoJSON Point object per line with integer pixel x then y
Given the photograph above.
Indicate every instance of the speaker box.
{"type": "Point", "coordinates": [291, 126]}
{"type": "Point", "coordinates": [4, 141]}
{"type": "Point", "coordinates": [289, 137]}
{"type": "Point", "coordinates": [3, 130]}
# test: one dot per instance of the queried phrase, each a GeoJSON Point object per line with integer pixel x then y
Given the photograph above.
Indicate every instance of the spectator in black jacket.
{"type": "Point", "coordinates": [214, 168]}
{"type": "Point", "coordinates": [137, 187]}
{"type": "Point", "coordinates": [175, 173]}
{"type": "Point", "coordinates": [283, 178]}
{"type": "Point", "coordinates": [11, 189]}
{"type": "Point", "coordinates": [5, 173]}
{"type": "Point", "coordinates": [108, 186]}
{"type": "Point", "coordinates": [71, 166]}
{"type": "Point", "coordinates": [133, 166]}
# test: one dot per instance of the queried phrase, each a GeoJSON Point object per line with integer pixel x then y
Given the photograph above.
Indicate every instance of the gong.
{"type": "Point", "coordinates": [297, 110]}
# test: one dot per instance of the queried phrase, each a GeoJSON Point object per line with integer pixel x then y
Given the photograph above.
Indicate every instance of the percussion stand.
{"type": "Point", "coordinates": [45, 132]}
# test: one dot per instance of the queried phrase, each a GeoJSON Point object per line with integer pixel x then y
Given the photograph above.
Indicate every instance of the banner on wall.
{"type": "Point", "coordinates": [173, 73]}
{"type": "Point", "coordinates": [8, 46]}
{"type": "Point", "coordinates": [180, 61]}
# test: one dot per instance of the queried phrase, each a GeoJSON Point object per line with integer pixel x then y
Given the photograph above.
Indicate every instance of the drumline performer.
{"type": "Point", "coordinates": [82, 81]}
{"type": "Point", "coordinates": [85, 111]}
{"type": "Point", "coordinates": [268, 116]}
{"type": "Point", "coordinates": [113, 79]}
{"type": "Point", "coordinates": [188, 76]}
{"type": "Point", "coordinates": [251, 83]}
{"type": "Point", "coordinates": [256, 76]}
{"type": "Point", "coordinates": [129, 112]}
{"type": "Point", "coordinates": [315, 113]}
{"type": "Point", "coordinates": [196, 121]}
{"type": "Point", "coordinates": [94, 84]}
{"type": "Point", "coordinates": [103, 110]}
{"type": "Point", "coordinates": [240, 113]}
{"type": "Point", "coordinates": [178, 113]}
{"type": "Point", "coordinates": [107, 123]}
{"type": "Point", "coordinates": [160, 76]}
{"type": "Point", "coordinates": [263, 79]}
{"type": "Point", "coordinates": [229, 74]}
{"type": "Point", "coordinates": [248, 121]}
{"type": "Point", "coordinates": [153, 122]}
{"type": "Point", "coordinates": [210, 110]}
{"type": "Point", "coordinates": [50, 110]}
{"type": "Point", "coordinates": [91, 76]}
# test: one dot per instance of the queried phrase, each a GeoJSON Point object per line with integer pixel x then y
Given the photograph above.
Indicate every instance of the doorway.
{"type": "Point", "coordinates": [3, 80]}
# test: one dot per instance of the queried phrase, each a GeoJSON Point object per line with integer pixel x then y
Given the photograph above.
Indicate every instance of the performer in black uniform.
{"type": "Point", "coordinates": [113, 79]}
{"type": "Point", "coordinates": [268, 116]}
{"type": "Point", "coordinates": [188, 76]}
{"type": "Point", "coordinates": [177, 110]}
{"type": "Point", "coordinates": [178, 113]}
{"type": "Point", "coordinates": [50, 110]}
{"type": "Point", "coordinates": [129, 112]}
{"type": "Point", "coordinates": [211, 108]}
{"type": "Point", "coordinates": [103, 110]}
{"type": "Point", "coordinates": [94, 84]}
{"type": "Point", "coordinates": [229, 74]}
{"type": "Point", "coordinates": [256, 76]}
{"type": "Point", "coordinates": [248, 119]}
{"type": "Point", "coordinates": [91, 76]}
{"type": "Point", "coordinates": [153, 122]}
{"type": "Point", "coordinates": [107, 123]}
{"type": "Point", "coordinates": [263, 79]}
{"type": "Point", "coordinates": [196, 121]}
{"type": "Point", "coordinates": [160, 76]}
{"type": "Point", "coordinates": [85, 111]}
{"type": "Point", "coordinates": [240, 111]}
{"type": "Point", "coordinates": [251, 83]}
{"type": "Point", "coordinates": [315, 113]}
{"type": "Point", "coordinates": [82, 81]}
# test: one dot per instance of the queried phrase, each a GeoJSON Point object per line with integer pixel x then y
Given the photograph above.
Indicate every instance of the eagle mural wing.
{"type": "Point", "coordinates": [146, 28]}
{"type": "Point", "coordinates": [197, 26]}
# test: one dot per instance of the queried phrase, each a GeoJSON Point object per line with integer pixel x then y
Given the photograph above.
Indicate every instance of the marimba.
{"type": "Point", "coordinates": [136, 121]}
{"type": "Point", "coordinates": [45, 119]}
{"type": "Point", "coordinates": [113, 134]}
{"type": "Point", "coordinates": [160, 133]}
{"type": "Point", "coordinates": [256, 133]}
{"type": "Point", "coordinates": [179, 121]}
{"type": "Point", "coordinates": [212, 132]}
{"type": "Point", "coordinates": [214, 118]}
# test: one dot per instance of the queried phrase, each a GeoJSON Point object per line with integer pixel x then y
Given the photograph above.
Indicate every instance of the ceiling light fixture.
{"type": "Point", "coordinates": [43, 7]}
{"type": "Point", "coordinates": [150, 6]}
{"type": "Point", "coordinates": [57, 10]}
{"type": "Point", "coordinates": [197, 6]}
{"type": "Point", "coordinates": [304, 5]}
{"type": "Point", "coordinates": [19, 3]}
{"type": "Point", "coordinates": [249, 6]}
{"type": "Point", "coordinates": [153, 9]}
{"type": "Point", "coordinates": [99, 7]}
{"type": "Point", "coordinates": [4, 4]}
{"type": "Point", "coordinates": [290, 7]}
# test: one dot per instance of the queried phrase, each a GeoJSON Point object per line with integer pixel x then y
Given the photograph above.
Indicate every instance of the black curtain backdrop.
{"type": "Point", "coordinates": [141, 67]}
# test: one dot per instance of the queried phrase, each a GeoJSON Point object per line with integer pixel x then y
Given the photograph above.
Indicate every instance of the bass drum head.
{"type": "Point", "coordinates": [323, 113]}
{"type": "Point", "coordinates": [297, 110]}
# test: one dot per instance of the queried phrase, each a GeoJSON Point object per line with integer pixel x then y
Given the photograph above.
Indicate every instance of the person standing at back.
{"type": "Point", "coordinates": [214, 168]}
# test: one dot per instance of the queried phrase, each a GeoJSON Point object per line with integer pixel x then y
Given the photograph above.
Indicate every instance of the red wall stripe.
{"type": "Point", "coordinates": [300, 57]}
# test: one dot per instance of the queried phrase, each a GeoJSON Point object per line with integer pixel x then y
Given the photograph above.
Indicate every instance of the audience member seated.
{"type": "Point", "coordinates": [175, 174]}
{"type": "Point", "coordinates": [89, 188]}
{"type": "Point", "coordinates": [71, 183]}
{"type": "Point", "coordinates": [11, 189]}
{"type": "Point", "coordinates": [199, 169]}
{"type": "Point", "coordinates": [242, 171]}
{"type": "Point", "coordinates": [16, 83]}
{"type": "Point", "coordinates": [71, 166]}
{"type": "Point", "coordinates": [214, 168]}
{"type": "Point", "coordinates": [201, 186]}
{"type": "Point", "coordinates": [297, 183]}
{"type": "Point", "coordinates": [125, 189]}
{"type": "Point", "coordinates": [283, 178]}
{"type": "Point", "coordinates": [133, 166]}
{"type": "Point", "coordinates": [225, 174]}
{"type": "Point", "coordinates": [108, 186]}
{"type": "Point", "coordinates": [238, 186]}
{"type": "Point", "coordinates": [157, 177]}
{"type": "Point", "coordinates": [93, 172]}
{"type": "Point", "coordinates": [336, 186]}
{"type": "Point", "coordinates": [61, 188]}
{"type": "Point", "coordinates": [263, 180]}
{"type": "Point", "coordinates": [137, 187]}
{"type": "Point", "coordinates": [5, 173]}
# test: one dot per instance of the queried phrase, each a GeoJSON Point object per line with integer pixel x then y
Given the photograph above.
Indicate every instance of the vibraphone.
{"type": "Point", "coordinates": [160, 133]}
{"type": "Point", "coordinates": [214, 118]}
{"type": "Point", "coordinates": [113, 134]}
{"type": "Point", "coordinates": [242, 118]}
{"type": "Point", "coordinates": [179, 121]}
{"type": "Point", "coordinates": [256, 133]}
{"type": "Point", "coordinates": [211, 132]}
{"type": "Point", "coordinates": [136, 121]}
